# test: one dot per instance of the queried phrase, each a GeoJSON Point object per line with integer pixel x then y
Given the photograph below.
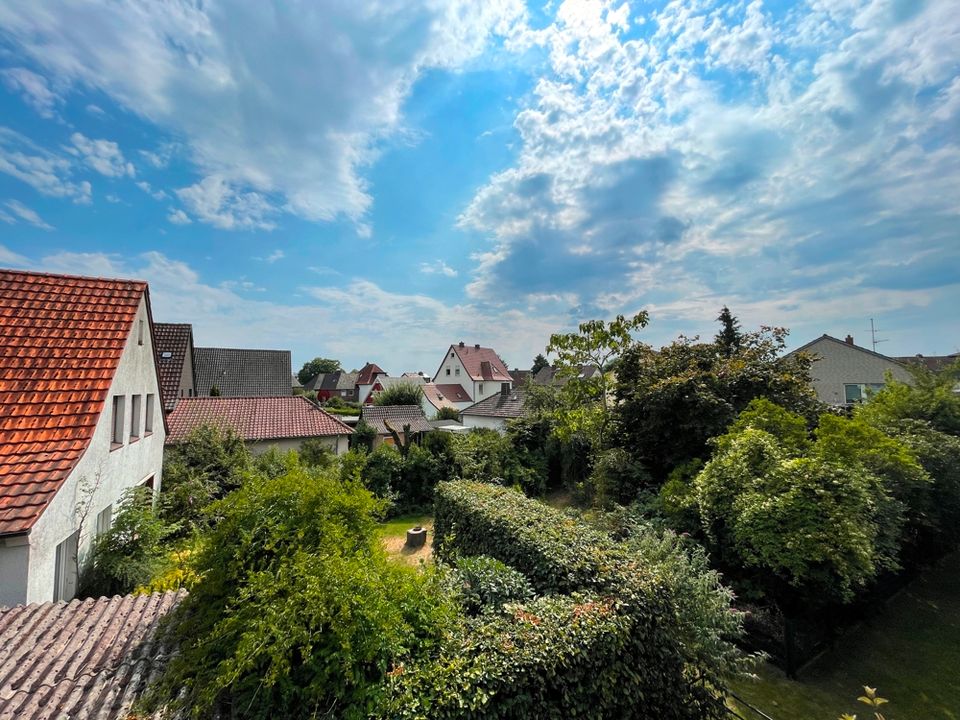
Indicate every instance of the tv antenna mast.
{"type": "Point", "coordinates": [873, 336]}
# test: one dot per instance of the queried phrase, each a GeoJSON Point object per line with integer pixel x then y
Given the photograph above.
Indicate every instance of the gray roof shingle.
{"type": "Point", "coordinates": [242, 373]}
{"type": "Point", "coordinates": [397, 415]}
{"type": "Point", "coordinates": [509, 405]}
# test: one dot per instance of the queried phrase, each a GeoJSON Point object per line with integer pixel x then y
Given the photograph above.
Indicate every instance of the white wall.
{"type": "Point", "coordinates": [111, 472]}
{"type": "Point", "coordinates": [339, 444]}
{"type": "Point", "coordinates": [482, 421]}
{"type": "Point", "coordinates": [490, 387]}
{"type": "Point", "coordinates": [837, 364]}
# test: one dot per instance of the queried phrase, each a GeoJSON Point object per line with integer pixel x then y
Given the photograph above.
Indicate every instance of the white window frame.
{"type": "Point", "coordinates": [104, 519]}
{"type": "Point", "coordinates": [119, 426]}
{"type": "Point", "coordinates": [149, 410]}
{"type": "Point", "coordinates": [135, 403]}
{"type": "Point", "coordinates": [65, 569]}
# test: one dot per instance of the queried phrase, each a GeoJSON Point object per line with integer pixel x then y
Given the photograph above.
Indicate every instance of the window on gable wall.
{"type": "Point", "coordinates": [140, 333]}
{"type": "Point", "coordinates": [118, 425]}
{"type": "Point", "coordinates": [448, 371]}
{"type": "Point", "coordinates": [148, 414]}
{"type": "Point", "coordinates": [860, 392]}
{"type": "Point", "coordinates": [135, 417]}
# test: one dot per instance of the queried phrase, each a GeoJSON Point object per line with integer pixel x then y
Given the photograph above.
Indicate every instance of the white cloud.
{"type": "Point", "coordinates": [34, 88]}
{"type": "Point", "coordinates": [178, 217]}
{"type": "Point", "coordinates": [46, 172]}
{"type": "Point", "coordinates": [104, 156]}
{"type": "Point", "coordinates": [111, 198]}
{"type": "Point", "coordinates": [437, 268]}
{"type": "Point", "coordinates": [148, 189]}
{"type": "Point", "coordinates": [274, 256]}
{"type": "Point", "coordinates": [283, 106]}
{"type": "Point", "coordinates": [8, 219]}
{"type": "Point", "coordinates": [11, 259]}
{"type": "Point", "coordinates": [216, 202]}
{"type": "Point", "coordinates": [27, 214]}
{"type": "Point", "coordinates": [95, 110]}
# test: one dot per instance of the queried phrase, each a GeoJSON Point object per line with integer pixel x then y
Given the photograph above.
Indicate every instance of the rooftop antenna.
{"type": "Point", "coordinates": [873, 336]}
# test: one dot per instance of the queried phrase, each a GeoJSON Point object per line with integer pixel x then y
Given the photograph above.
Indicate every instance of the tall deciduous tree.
{"type": "Point", "coordinates": [315, 367]}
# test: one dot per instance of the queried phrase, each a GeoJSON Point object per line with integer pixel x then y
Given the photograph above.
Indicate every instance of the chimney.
{"type": "Point", "coordinates": [504, 389]}
{"type": "Point", "coordinates": [477, 346]}
{"type": "Point", "coordinates": [461, 343]}
{"type": "Point", "coordinates": [848, 339]}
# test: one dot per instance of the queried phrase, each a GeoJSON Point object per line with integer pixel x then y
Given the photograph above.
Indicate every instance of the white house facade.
{"type": "Point", "coordinates": [478, 369]}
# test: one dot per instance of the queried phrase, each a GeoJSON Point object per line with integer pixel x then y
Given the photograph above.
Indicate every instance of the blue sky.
{"type": "Point", "coordinates": [372, 181]}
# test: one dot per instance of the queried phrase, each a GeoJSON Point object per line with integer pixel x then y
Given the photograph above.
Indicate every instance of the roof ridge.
{"type": "Point", "coordinates": [70, 276]}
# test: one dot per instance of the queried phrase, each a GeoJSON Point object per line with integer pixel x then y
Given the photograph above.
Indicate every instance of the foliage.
{"type": "Point", "coordinates": [314, 452]}
{"type": "Point", "coordinates": [931, 397]}
{"type": "Point", "coordinates": [298, 608]}
{"type": "Point", "coordinates": [131, 551]}
{"type": "Point", "coordinates": [210, 462]}
{"type": "Point", "coordinates": [539, 363]}
{"type": "Point", "coordinates": [382, 471]}
{"type": "Point", "coordinates": [400, 394]}
{"type": "Point", "coordinates": [617, 478]}
{"type": "Point", "coordinates": [486, 455]}
{"type": "Point", "coordinates": [672, 401]}
{"type": "Point", "coordinates": [729, 339]}
{"type": "Point", "coordinates": [214, 391]}
{"type": "Point", "coordinates": [484, 584]}
{"type": "Point", "coordinates": [448, 413]}
{"type": "Point", "coordinates": [788, 428]}
{"type": "Point", "coordinates": [176, 571]}
{"type": "Point", "coordinates": [363, 435]}
{"type": "Point", "coordinates": [316, 367]}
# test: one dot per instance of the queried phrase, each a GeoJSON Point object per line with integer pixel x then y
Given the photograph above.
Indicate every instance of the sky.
{"type": "Point", "coordinates": [373, 181]}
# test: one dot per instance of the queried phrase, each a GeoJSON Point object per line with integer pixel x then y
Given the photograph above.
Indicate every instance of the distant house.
{"type": "Point", "coordinates": [314, 383]}
{"type": "Point", "coordinates": [933, 363]}
{"type": "Point", "coordinates": [80, 422]}
{"type": "Point", "coordinates": [88, 658]}
{"type": "Point", "coordinates": [367, 382]}
{"type": "Point", "coordinates": [174, 343]}
{"type": "Point", "coordinates": [494, 412]}
{"type": "Point", "coordinates": [242, 373]}
{"type": "Point", "coordinates": [549, 375]}
{"type": "Point", "coordinates": [263, 422]}
{"type": "Point", "coordinates": [341, 384]}
{"type": "Point", "coordinates": [479, 370]}
{"type": "Point", "coordinates": [449, 395]}
{"type": "Point", "coordinates": [845, 373]}
{"type": "Point", "coordinates": [520, 377]}
{"type": "Point", "coordinates": [384, 417]}
{"type": "Point", "coordinates": [295, 384]}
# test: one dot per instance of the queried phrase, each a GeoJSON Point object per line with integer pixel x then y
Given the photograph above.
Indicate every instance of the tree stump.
{"type": "Point", "coordinates": [416, 537]}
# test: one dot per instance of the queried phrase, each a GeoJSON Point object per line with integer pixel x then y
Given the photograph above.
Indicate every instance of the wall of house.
{"type": "Point", "coordinates": [454, 365]}
{"type": "Point", "coordinates": [102, 474]}
{"type": "Point", "coordinates": [187, 388]}
{"type": "Point", "coordinates": [482, 421]}
{"type": "Point", "coordinates": [838, 364]}
{"type": "Point", "coordinates": [339, 444]}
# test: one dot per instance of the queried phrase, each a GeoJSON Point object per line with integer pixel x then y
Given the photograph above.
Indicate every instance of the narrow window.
{"type": "Point", "coordinates": [65, 569]}
{"type": "Point", "coordinates": [457, 372]}
{"type": "Point", "coordinates": [118, 420]}
{"type": "Point", "coordinates": [104, 519]}
{"type": "Point", "coordinates": [480, 388]}
{"type": "Point", "coordinates": [448, 371]}
{"type": "Point", "coordinates": [148, 415]}
{"type": "Point", "coordinates": [135, 417]}
{"type": "Point", "coordinates": [140, 333]}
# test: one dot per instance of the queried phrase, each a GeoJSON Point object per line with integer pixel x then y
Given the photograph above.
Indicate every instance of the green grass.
{"type": "Point", "coordinates": [910, 652]}
{"type": "Point", "coordinates": [398, 526]}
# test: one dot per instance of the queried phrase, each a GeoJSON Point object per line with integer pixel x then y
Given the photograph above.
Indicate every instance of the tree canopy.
{"type": "Point", "coordinates": [315, 367]}
{"type": "Point", "coordinates": [400, 394]}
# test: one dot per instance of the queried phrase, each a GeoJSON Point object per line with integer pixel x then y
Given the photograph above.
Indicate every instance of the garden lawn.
{"type": "Point", "coordinates": [394, 533]}
{"type": "Point", "coordinates": [910, 652]}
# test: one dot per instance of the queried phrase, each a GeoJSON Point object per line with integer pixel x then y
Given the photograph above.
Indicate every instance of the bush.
{"type": "Point", "coordinates": [298, 607]}
{"type": "Point", "coordinates": [484, 584]}
{"type": "Point", "coordinates": [400, 394]}
{"type": "Point", "coordinates": [448, 413]}
{"type": "Point", "coordinates": [617, 478]}
{"type": "Point", "coordinates": [314, 452]}
{"type": "Point", "coordinates": [382, 470]}
{"type": "Point", "coordinates": [484, 455]}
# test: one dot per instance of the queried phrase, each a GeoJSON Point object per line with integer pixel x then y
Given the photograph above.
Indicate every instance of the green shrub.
{"type": "Point", "coordinates": [448, 413]}
{"type": "Point", "coordinates": [486, 584]}
{"type": "Point", "coordinates": [617, 478]}
{"type": "Point", "coordinates": [381, 473]}
{"type": "Point", "coordinates": [298, 607]}
{"type": "Point", "coordinates": [400, 394]}
{"type": "Point", "coordinates": [314, 452]}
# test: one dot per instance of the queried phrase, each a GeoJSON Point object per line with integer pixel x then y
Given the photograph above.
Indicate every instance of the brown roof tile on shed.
{"type": "Point", "coordinates": [502, 405]}
{"type": "Point", "coordinates": [61, 338]}
{"type": "Point", "coordinates": [397, 416]}
{"type": "Point", "coordinates": [83, 659]}
{"type": "Point", "coordinates": [254, 418]}
{"type": "Point", "coordinates": [173, 339]}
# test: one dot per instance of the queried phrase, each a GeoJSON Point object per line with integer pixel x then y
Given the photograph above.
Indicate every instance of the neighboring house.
{"type": "Point", "coordinates": [295, 384]}
{"type": "Point", "coordinates": [174, 343]}
{"type": "Point", "coordinates": [341, 384]}
{"type": "Point", "coordinates": [443, 395]}
{"type": "Point", "coordinates": [315, 382]}
{"type": "Point", "coordinates": [479, 370]}
{"type": "Point", "coordinates": [549, 375]}
{"type": "Point", "coordinates": [520, 377]}
{"type": "Point", "coordinates": [242, 373]}
{"type": "Point", "coordinates": [845, 374]}
{"type": "Point", "coordinates": [933, 363]}
{"type": "Point", "coordinates": [88, 658]}
{"type": "Point", "coordinates": [383, 417]}
{"type": "Point", "coordinates": [262, 422]}
{"type": "Point", "coordinates": [494, 412]}
{"type": "Point", "coordinates": [367, 382]}
{"type": "Point", "coordinates": [80, 422]}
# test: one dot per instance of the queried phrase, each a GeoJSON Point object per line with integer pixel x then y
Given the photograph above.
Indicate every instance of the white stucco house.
{"type": "Point", "coordinates": [81, 421]}
{"type": "Point", "coordinates": [479, 370]}
{"type": "Point", "coordinates": [845, 373]}
{"type": "Point", "coordinates": [263, 422]}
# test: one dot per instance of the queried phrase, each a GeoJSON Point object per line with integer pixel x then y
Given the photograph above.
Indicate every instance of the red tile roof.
{"type": "Point", "coordinates": [84, 659]}
{"type": "Point", "coordinates": [482, 363]}
{"type": "Point", "coordinates": [449, 393]}
{"type": "Point", "coordinates": [368, 372]}
{"type": "Point", "coordinates": [61, 338]}
{"type": "Point", "coordinates": [254, 418]}
{"type": "Point", "coordinates": [173, 338]}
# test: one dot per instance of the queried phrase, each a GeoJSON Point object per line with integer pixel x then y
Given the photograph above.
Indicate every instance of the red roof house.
{"type": "Point", "coordinates": [478, 369]}
{"type": "Point", "coordinates": [80, 420]}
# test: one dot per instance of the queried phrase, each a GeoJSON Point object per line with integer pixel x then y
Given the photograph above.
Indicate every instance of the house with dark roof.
{"type": "Point", "coordinates": [549, 375]}
{"type": "Point", "coordinates": [80, 422]}
{"type": "Point", "coordinates": [494, 412]}
{"type": "Point", "coordinates": [521, 377]}
{"type": "Point", "coordinates": [478, 369]}
{"type": "Point", "coordinates": [238, 372]}
{"type": "Point", "coordinates": [340, 384]}
{"type": "Point", "coordinates": [174, 343]}
{"type": "Point", "coordinates": [844, 373]}
{"type": "Point", "coordinates": [368, 382]}
{"type": "Point", "coordinates": [88, 658]}
{"type": "Point", "coordinates": [263, 422]}
{"type": "Point", "coordinates": [406, 420]}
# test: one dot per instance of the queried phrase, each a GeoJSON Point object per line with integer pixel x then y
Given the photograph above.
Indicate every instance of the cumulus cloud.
{"type": "Point", "coordinates": [281, 106]}
{"type": "Point", "coordinates": [178, 217]}
{"type": "Point", "coordinates": [34, 89]}
{"type": "Point", "coordinates": [723, 151]}
{"type": "Point", "coordinates": [437, 268]}
{"type": "Point", "coordinates": [104, 156]}
{"type": "Point", "coordinates": [28, 215]}
{"type": "Point", "coordinates": [48, 173]}
{"type": "Point", "coordinates": [156, 194]}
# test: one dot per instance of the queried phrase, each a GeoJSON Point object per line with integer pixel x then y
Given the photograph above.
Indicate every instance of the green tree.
{"type": "Point", "coordinates": [363, 435]}
{"type": "Point", "coordinates": [930, 397]}
{"type": "Point", "coordinates": [539, 363]}
{"type": "Point", "coordinates": [315, 367]}
{"type": "Point", "coordinates": [400, 394]}
{"type": "Point", "coordinates": [448, 413]}
{"type": "Point", "coordinates": [729, 339]}
{"type": "Point", "coordinates": [214, 391]}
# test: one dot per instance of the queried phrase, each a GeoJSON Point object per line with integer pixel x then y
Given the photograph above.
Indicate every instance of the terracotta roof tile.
{"type": "Point", "coordinates": [254, 418]}
{"type": "Point", "coordinates": [83, 659]}
{"type": "Point", "coordinates": [445, 394]}
{"type": "Point", "coordinates": [61, 338]}
{"type": "Point", "coordinates": [368, 372]}
{"type": "Point", "coordinates": [482, 363]}
{"type": "Point", "coordinates": [175, 339]}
